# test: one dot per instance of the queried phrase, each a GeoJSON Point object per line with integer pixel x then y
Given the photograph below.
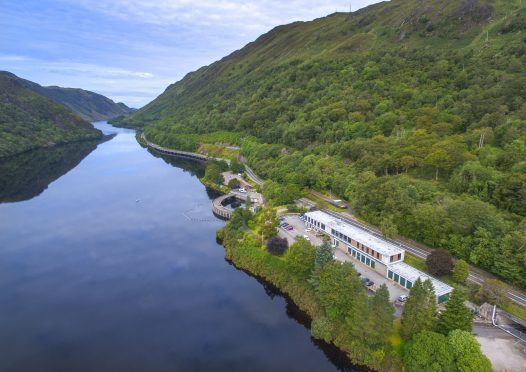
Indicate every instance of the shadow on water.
{"type": "Point", "coordinates": [192, 166]}
{"type": "Point", "coordinates": [24, 176]}
{"type": "Point", "coordinates": [337, 357]}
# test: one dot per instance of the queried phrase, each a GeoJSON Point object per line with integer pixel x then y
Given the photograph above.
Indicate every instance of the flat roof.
{"type": "Point", "coordinates": [410, 273]}
{"type": "Point", "coordinates": [379, 245]}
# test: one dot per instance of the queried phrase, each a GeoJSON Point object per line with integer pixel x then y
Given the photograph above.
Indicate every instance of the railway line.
{"type": "Point", "coordinates": [514, 296]}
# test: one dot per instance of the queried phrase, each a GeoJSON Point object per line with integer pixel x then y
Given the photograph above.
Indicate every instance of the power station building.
{"type": "Point", "coordinates": [382, 256]}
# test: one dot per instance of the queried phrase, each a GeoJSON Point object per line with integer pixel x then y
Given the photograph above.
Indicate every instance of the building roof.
{"type": "Point", "coordinates": [410, 273]}
{"type": "Point", "coordinates": [379, 245]}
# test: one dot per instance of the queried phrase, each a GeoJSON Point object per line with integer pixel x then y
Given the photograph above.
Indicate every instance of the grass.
{"type": "Point", "coordinates": [323, 203]}
{"type": "Point", "coordinates": [217, 151]}
{"type": "Point", "coordinates": [514, 309]}
{"type": "Point", "coordinates": [416, 262]}
{"type": "Point", "coordinates": [396, 338]}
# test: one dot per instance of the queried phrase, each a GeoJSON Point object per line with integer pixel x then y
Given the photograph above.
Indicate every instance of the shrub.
{"type": "Point", "coordinates": [233, 183]}
{"type": "Point", "coordinates": [439, 262]}
{"type": "Point", "coordinates": [277, 246]}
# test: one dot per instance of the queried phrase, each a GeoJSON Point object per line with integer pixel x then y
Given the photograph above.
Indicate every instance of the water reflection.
{"type": "Point", "coordinates": [92, 280]}
{"type": "Point", "coordinates": [24, 176]}
{"type": "Point", "coordinates": [337, 357]}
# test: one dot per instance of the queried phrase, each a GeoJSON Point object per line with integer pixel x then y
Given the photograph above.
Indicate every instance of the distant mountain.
{"type": "Point", "coordinates": [29, 120]}
{"type": "Point", "coordinates": [88, 105]}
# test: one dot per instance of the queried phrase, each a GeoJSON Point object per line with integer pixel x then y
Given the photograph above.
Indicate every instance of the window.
{"type": "Point", "coordinates": [323, 226]}
{"type": "Point", "coordinates": [402, 282]}
{"type": "Point", "coordinates": [390, 274]}
{"type": "Point", "coordinates": [391, 259]}
{"type": "Point", "coordinates": [362, 258]}
{"type": "Point", "coordinates": [443, 298]}
{"type": "Point", "coordinates": [399, 257]}
{"type": "Point", "coordinates": [358, 255]}
{"type": "Point", "coordinates": [408, 285]}
{"type": "Point", "coordinates": [367, 261]}
{"type": "Point", "coordinates": [396, 277]}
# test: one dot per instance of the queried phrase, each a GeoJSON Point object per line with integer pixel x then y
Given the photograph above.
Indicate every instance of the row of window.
{"type": "Point", "coordinates": [316, 223]}
{"type": "Point", "coordinates": [357, 244]}
{"type": "Point", "coordinates": [399, 279]}
{"type": "Point", "coordinates": [361, 257]}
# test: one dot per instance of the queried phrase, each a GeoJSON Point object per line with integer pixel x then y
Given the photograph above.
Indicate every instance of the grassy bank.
{"type": "Point", "coordinates": [290, 273]}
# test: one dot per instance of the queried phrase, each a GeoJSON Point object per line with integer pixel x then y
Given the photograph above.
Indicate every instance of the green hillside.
{"type": "Point", "coordinates": [29, 120]}
{"type": "Point", "coordinates": [413, 110]}
{"type": "Point", "coordinates": [88, 105]}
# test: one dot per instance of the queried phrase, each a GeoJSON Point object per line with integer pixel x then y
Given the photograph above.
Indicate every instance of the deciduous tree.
{"type": "Point", "coordinates": [460, 271]}
{"type": "Point", "coordinates": [439, 262]}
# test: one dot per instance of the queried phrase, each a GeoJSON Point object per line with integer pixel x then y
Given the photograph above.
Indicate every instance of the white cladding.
{"type": "Point", "coordinates": [410, 273]}
{"type": "Point", "coordinates": [379, 245]}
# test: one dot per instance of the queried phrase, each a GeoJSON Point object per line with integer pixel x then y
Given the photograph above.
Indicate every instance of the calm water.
{"type": "Point", "coordinates": [115, 267]}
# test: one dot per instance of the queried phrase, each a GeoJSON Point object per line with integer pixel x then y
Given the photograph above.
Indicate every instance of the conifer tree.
{"type": "Point", "coordinates": [419, 310]}
{"type": "Point", "coordinates": [380, 316]}
{"type": "Point", "coordinates": [456, 315]}
{"type": "Point", "coordinates": [324, 254]}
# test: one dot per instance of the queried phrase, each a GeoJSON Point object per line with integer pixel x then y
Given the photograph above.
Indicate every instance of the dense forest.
{"type": "Point", "coordinates": [414, 111]}
{"type": "Point", "coordinates": [29, 120]}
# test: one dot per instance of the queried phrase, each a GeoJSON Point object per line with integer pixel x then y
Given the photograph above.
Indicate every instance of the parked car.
{"type": "Point", "coordinates": [283, 224]}
{"type": "Point", "coordinates": [242, 190]}
{"type": "Point", "coordinates": [307, 230]}
{"type": "Point", "coordinates": [288, 228]}
{"type": "Point", "coordinates": [403, 298]}
{"type": "Point", "coordinates": [368, 282]}
{"type": "Point", "coordinates": [306, 237]}
{"type": "Point", "coordinates": [281, 218]}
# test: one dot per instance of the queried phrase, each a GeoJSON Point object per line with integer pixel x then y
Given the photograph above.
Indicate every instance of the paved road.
{"type": "Point", "coordinates": [514, 296]}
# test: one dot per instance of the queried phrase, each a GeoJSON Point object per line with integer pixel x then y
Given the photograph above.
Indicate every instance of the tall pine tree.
{"type": "Point", "coordinates": [456, 315]}
{"type": "Point", "coordinates": [380, 317]}
{"type": "Point", "coordinates": [324, 255]}
{"type": "Point", "coordinates": [419, 310]}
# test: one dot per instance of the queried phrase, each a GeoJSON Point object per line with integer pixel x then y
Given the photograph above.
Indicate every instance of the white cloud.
{"type": "Point", "coordinates": [248, 15]}
{"type": "Point", "coordinates": [131, 50]}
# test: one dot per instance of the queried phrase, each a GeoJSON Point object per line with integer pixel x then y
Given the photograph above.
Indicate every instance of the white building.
{"type": "Point", "coordinates": [379, 254]}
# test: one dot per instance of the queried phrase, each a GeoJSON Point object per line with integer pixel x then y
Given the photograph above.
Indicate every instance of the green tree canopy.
{"type": "Point", "coordinates": [456, 315]}
{"type": "Point", "coordinates": [419, 310]}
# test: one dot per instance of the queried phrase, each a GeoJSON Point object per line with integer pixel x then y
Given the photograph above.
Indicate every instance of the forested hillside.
{"type": "Point", "coordinates": [29, 120]}
{"type": "Point", "coordinates": [413, 110]}
{"type": "Point", "coordinates": [88, 105]}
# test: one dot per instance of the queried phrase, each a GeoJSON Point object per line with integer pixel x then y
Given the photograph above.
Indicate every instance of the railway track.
{"type": "Point", "coordinates": [514, 296]}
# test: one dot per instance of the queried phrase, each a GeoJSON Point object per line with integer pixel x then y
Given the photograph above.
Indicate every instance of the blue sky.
{"type": "Point", "coordinates": [131, 50]}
